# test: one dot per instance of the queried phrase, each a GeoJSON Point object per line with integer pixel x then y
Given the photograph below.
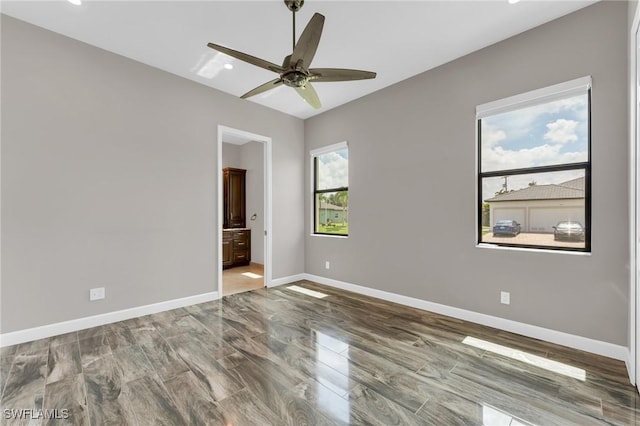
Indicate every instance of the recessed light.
{"type": "Point", "coordinates": [228, 66]}
{"type": "Point", "coordinates": [514, 1]}
{"type": "Point", "coordinates": [76, 2]}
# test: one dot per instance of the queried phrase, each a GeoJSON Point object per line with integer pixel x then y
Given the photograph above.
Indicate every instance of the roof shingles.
{"type": "Point", "coordinates": [571, 189]}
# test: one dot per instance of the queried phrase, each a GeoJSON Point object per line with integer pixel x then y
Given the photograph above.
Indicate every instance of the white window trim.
{"type": "Point", "coordinates": [547, 94]}
{"type": "Point", "coordinates": [312, 154]}
{"type": "Point", "coordinates": [329, 148]}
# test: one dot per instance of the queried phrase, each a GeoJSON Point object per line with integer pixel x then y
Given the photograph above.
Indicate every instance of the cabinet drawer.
{"type": "Point", "coordinates": [240, 256]}
{"type": "Point", "coordinates": [241, 238]}
{"type": "Point", "coordinates": [240, 244]}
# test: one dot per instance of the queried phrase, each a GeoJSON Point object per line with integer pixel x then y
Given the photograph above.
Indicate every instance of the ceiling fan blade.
{"type": "Point", "coordinates": [247, 58]}
{"type": "Point", "coordinates": [307, 45]}
{"type": "Point", "coordinates": [263, 88]}
{"type": "Point", "coordinates": [309, 94]}
{"type": "Point", "coordinates": [339, 74]}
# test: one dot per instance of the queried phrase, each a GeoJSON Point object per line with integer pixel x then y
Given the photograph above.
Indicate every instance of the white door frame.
{"type": "Point", "coordinates": [266, 141]}
{"type": "Point", "coordinates": [634, 201]}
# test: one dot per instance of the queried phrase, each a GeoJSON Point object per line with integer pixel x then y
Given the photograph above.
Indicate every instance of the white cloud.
{"type": "Point", "coordinates": [492, 135]}
{"type": "Point", "coordinates": [562, 131]}
{"type": "Point", "coordinates": [575, 103]}
{"type": "Point", "coordinates": [334, 171]}
{"type": "Point", "coordinates": [519, 123]}
{"type": "Point", "coordinates": [498, 158]}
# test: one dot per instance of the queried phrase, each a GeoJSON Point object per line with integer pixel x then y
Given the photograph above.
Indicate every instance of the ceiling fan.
{"type": "Point", "coordinates": [295, 71]}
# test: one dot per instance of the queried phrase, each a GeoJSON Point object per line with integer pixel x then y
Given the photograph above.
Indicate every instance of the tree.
{"type": "Point", "coordinates": [341, 198]}
{"type": "Point", "coordinates": [485, 214]}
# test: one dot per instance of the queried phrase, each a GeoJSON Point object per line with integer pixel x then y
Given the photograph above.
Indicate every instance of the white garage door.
{"type": "Point", "coordinates": [543, 219]}
{"type": "Point", "coordinates": [512, 213]}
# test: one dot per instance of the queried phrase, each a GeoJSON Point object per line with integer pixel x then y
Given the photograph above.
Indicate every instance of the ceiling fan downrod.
{"type": "Point", "coordinates": [294, 6]}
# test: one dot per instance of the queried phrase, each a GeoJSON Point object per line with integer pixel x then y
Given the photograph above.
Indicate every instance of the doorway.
{"type": "Point", "coordinates": [245, 156]}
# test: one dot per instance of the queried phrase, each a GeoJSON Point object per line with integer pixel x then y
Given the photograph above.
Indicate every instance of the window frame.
{"type": "Point", "coordinates": [564, 90]}
{"type": "Point", "coordinates": [314, 154]}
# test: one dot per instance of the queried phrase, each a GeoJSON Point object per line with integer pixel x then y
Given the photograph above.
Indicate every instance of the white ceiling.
{"type": "Point", "coordinates": [396, 39]}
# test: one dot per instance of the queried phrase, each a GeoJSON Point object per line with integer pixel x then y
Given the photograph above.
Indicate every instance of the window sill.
{"type": "Point", "coordinates": [534, 250]}
{"type": "Point", "coordinates": [343, 237]}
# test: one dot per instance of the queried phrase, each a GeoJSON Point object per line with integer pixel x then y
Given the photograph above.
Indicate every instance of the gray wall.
{"type": "Point", "coordinates": [250, 156]}
{"type": "Point", "coordinates": [109, 179]}
{"type": "Point", "coordinates": [253, 161]}
{"type": "Point", "coordinates": [231, 155]}
{"type": "Point", "coordinates": [412, 183]}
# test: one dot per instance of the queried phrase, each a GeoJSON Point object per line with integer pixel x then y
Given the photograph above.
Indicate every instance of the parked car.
{"type": "Point", "coordinates": [506, 227]}
{"type": "Point", "coordinates": [568, 230]}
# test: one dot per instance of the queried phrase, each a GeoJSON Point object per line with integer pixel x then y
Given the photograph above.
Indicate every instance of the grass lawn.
{"type": "Point", "coordinates": [486, 230]}
{"type": "Point", "coordinates": [335, 228]}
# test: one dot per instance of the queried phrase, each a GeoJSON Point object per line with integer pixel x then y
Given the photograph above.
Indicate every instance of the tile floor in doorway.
{"type": "Point", "coordinates": [242, 278]}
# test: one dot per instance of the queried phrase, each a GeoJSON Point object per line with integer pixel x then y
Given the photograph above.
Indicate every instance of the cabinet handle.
{"type": "Point", "coordinates": [240, 244]}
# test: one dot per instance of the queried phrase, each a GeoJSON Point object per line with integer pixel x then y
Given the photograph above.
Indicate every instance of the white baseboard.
{"type": "Point", "coordinates": [558, 337]}
{"type": "Point", "coordinates": [287, 280]}
{"type": "Point", "coordinates": [577, 342]}
{"type": "Point", "coordinates": [30, 334]}
{"type": "Point", "coordinates": [628, 361]}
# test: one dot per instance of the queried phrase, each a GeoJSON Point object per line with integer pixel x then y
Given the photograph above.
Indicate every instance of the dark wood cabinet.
{"type": "Point", "coordinates": [227, 249]}
{"type": "Point", "coordinates": [236, 247]}
{"type": "Point", "coordinates": [236, 237]}
{"type": "Point", "coordinates": [234, 188]}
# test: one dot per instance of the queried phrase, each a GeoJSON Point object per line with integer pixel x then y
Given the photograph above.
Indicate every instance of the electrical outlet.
{"type": "Point", "coordinates": [96, 293]}
{"type": "Point", "coordinates": [505, 297]}
{"type": "Point", "coordinates": [327, 265]}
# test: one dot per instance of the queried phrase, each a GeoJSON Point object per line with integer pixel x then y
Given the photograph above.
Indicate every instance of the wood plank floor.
{"type": "Point", "coordinates": [277, 356]}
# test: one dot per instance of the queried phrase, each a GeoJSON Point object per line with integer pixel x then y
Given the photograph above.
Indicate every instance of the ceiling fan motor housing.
{"type": "Point", "coordinates": [295, 78]}
{"type": "Point", "coordinates": [294, 5]}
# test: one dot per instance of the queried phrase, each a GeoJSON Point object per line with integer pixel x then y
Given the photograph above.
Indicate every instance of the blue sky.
{"type": "Point", "coordinates": [547, 134]}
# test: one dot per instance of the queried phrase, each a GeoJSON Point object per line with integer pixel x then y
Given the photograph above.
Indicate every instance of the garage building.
{"type": "Point", "coordinates": [539, 207]}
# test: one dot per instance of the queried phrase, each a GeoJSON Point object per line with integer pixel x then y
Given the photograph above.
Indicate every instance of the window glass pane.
{"type": "Point", "coordinates": [332, 213]}
{"type": "Point", "coordinates": [548, 134]}
{"type": "Point", "coordinates": [524, 209]}
{"type": "Point", "coordinates": [333, 170]}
